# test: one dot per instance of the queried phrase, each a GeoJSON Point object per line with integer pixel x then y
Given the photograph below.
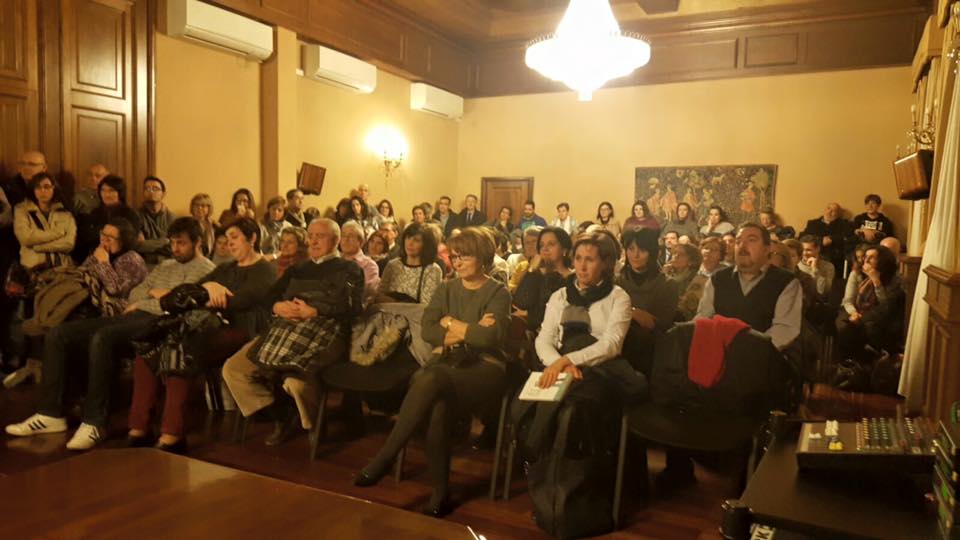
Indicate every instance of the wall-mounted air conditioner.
{"type": "Point", "coordinates": [334, 67]}
{"type": "Point", "coordinates": [220, 28]}
{"type": "Point", "coordinates": [431, 99]}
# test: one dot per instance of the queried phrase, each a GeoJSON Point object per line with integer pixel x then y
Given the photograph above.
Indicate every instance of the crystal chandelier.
{"type": "Point", "coordinates": [588, 49]}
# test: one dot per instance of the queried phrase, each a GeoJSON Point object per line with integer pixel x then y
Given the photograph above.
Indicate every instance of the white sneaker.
{"type": "Point", "coordinates": [37, 424]}
{"type": "Point", "coordinates": [85, 438]}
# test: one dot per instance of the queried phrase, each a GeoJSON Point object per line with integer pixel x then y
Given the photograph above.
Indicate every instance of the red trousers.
{"type": "Point", "coordinates": [146, 384]}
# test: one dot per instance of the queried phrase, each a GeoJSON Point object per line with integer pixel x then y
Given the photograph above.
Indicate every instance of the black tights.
{"type": "Point", "coordinates": [437, 392]}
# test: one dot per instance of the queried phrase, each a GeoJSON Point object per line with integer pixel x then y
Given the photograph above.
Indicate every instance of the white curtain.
{"type": "Point", "coordinates": [940, 250]}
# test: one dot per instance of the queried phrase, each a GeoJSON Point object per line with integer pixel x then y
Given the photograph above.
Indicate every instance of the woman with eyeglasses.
{"type": "Point", "coordinates": [113, 203]}
{"type": "Point", "coordinates": [47, 233]}
{"type": "Point", "coordinates": [466, 321]}
{"type": "Point", "coordinates": [201, 208]}
{"type": "Point", "coordinates": [242, 205]}
{"type": "Point", "coordinates": [44, 227]}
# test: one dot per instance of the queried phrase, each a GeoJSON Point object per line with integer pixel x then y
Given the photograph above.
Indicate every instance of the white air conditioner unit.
{"type": "Point", "coordinates": [220, 28]}
{"type": "Point", "coordinates": [431, 99]}
{"type": "Point", "coordinates": [334, 67]}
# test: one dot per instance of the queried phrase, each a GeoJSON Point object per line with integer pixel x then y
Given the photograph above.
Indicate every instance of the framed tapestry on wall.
{"type": "Point", "coordinates": [741, 190]}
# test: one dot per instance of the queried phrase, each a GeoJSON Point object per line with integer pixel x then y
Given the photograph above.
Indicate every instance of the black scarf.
{"type": "Point", "coordinates": [630, 275]}
{"type": "Point", "coordinates": [588, 296]}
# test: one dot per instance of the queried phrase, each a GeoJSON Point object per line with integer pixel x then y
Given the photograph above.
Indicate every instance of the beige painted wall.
{"type": "Point", "coordinates": [833, 136]}
{"type": "Point", "coordinates": [208, 123]}
{"type": "Point", "coordinates": [333, 124]}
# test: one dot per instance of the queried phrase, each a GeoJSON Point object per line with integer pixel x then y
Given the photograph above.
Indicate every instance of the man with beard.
{"type": "Point", "coordinates": [104, 337]}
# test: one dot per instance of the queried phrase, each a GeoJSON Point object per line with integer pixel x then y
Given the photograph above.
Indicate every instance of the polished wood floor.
{"type": "Point", "coordinates": [694, 514]}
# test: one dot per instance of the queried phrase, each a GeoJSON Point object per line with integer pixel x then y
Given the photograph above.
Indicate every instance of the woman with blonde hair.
{"type": "Point", "coordinates": [201, 208]}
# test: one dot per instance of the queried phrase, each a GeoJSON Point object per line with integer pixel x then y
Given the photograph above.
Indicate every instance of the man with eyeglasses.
{"type": "Point", "coordinates": [155, 219]}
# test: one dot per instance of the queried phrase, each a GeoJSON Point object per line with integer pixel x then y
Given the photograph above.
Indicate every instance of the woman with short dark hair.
{"type": "Point", "coordinates": [467, 322]}
{"type": "Point", "coordinates": [415, 275]}
{"type": "Point", "coordinates": [113, 203]}
{"type": "Point", "coordinates": [553, 247]}
{"type": "Point", "coordinates": [652, 296]}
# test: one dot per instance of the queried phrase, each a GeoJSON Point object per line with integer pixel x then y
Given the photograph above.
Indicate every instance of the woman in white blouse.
{"type": "Point", "coordinates": [587, 320]}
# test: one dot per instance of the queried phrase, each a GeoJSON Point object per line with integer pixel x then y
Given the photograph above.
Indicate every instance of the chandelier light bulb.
{"type": "Point", "coordinates": [588, 49]}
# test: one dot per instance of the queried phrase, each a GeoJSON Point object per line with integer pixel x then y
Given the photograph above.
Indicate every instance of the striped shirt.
{"type": "Point", "coordinates": [167, 275]}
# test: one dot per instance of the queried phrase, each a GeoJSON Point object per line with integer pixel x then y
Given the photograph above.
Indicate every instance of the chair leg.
{"type": "Point", "coordinates": [644, 474]}
{"type": "Point", "coordinates": [508, 473]}
{"type": "Point", "coordinates": [240, 427]}
{"type": "Point", "coordinates": [498, 447]}
{"type": "Point", "coordinates": [398, 464]}
{"type": "Point", "coordinates": [618, 483]}
{"type": "Point", "coordinates": [212, 382]}
{"type": "Point", "coordinates": [319, 426]}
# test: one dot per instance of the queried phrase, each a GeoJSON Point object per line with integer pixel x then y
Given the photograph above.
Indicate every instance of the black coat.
{"type": "Point", "coordinates": [479, 219]}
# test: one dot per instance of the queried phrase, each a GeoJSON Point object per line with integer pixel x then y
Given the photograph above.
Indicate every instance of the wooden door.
{"type": "Point", "coordinates": [105, 88]}
{"type": "Point", "coordinates": [499, 192]}
{"type": "Point", "coordinates": [19, 98]}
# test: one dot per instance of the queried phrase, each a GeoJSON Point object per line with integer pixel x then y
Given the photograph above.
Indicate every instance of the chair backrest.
{"type": "Point", "coordinates": [753, 383]}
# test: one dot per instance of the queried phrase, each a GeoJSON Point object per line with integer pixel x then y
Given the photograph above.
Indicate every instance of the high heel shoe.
{"type": "Point", "coordinates": [179, 447]}
{"type": "Point", "coordinates": [142, 441]}
{"type": "Point", "coordinates": [439, 510]}
{"type": "Point", "coordinates": [366, 479]}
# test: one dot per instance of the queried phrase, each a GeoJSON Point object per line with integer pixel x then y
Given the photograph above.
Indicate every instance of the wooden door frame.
{"type": "Point", "coordinates": [483, 189]}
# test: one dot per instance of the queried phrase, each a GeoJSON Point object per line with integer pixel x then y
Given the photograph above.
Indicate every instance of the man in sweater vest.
{"type": "Point", "coordinates": [765, 297]}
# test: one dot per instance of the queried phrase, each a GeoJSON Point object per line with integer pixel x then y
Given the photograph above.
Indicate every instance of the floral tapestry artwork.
{"type": "Point", "coordinates": [741, 190]}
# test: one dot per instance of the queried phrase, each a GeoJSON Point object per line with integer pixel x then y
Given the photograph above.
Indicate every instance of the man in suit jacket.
{"type": "Point", "coordinates": [471, 216]}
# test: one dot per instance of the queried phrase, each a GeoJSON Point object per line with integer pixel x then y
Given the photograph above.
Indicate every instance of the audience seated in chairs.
{"type": "Point", "coordinates": [518, 264]}
{"type": "Point", "coordinates": [237, 290]}
{"type": "Point", "coordinates": [553, 247]}
{"type": "Point", "coordinates": [113, 203]}
{"type": "Point", "coordinates": [878, 309]}
{"type": "Point", "coordinates": [712, 253]}
{"type": "Point", "coordinates": [201, 208]}
{"type": "Point", "coordinates": [685, 223]}
{"type": "Point", "coordinates": [294, 214]}
{"type": "Point", "coordinates": [273, 225]}
{"type": "Point", "coordinates": [242, 205]}
{"type": "Point", "coordinates": [683, 266]}
{"type": "Point", "coordinates": [652, 296]}
{"type": "Point", "coordinates": [46, 232]}
{"type": "Point", "coordinates": [763, 296]}
{"type": "Point", "coordinates": [717, 223]}
{"type": "Point", "coordinates": [467, 322]}
{"type": "Point", "coordinates": [313, 303]}
{"type": "Point", "coordinates": [155, 219]}
{"type": "Point", "coordinates": [114, 269]}
{"type": "Point", "coordinates": [815, 266]}
{"type": "Point", "coordinates": [351, 240]}
{"type": "Point", "coordinates": [606, 221]}
{"type": "Point", "coordinates": [414, 276]}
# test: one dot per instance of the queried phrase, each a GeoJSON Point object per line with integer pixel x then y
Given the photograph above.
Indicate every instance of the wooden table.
{"type": "Point", "coordinates": [145, 493]}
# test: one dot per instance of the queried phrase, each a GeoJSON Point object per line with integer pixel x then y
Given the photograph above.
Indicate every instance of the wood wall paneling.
{"type": "Point", "coordinates": [771, 50]}
{"type": "Point", "coordinates": [97, 86]}
{"type": "Point", "coordinates": [942, 386]}
{"type": "Point", "coordinates": [19, 96]}
{"type": "Point", "coordinates": [742, 46]}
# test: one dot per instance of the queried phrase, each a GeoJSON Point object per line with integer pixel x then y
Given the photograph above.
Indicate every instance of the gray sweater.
{"type": "Point", "coordinates": [453, 299]}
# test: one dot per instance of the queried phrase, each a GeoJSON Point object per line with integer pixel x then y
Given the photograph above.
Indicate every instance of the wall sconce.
{"type": "Point", "coordinates": [389, 145]}
{"type": "Point", "coordinates": [922, 133]}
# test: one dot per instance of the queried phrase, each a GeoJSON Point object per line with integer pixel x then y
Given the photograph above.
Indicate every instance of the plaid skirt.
{"type": "Point", "coordinates": [302, 347]}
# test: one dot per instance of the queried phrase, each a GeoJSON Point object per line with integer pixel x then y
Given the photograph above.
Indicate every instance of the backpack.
{"type": "Point", "coordinates": [571, 485]}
